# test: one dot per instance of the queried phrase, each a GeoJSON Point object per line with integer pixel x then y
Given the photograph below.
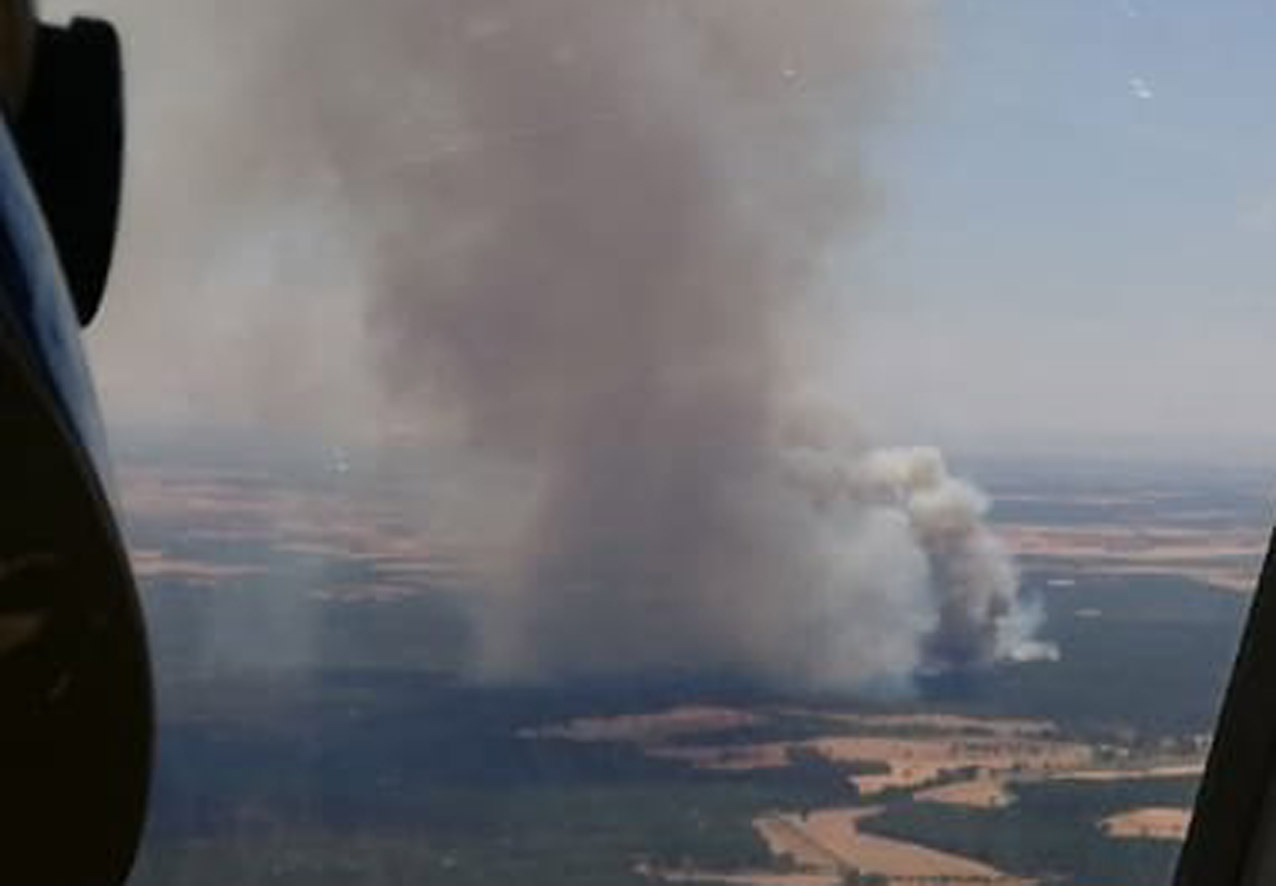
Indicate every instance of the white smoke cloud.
{"type": "Point", "coordinates": [971, 573]}
{"type": "Point", "coordinates": [897, 520]}
{"type": "Point", "coordinates": [578, 236]}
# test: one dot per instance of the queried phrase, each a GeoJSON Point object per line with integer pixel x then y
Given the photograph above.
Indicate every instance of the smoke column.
{"type": "Point", "coordinates": [585, 231]}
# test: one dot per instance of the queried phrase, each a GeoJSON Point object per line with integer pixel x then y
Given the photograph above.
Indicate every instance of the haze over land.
{"type": "Point", "coordinates": [585, 241]}
{"type": "Point", "coordinates": [608, 245]}
{"type": "Point", "coordinates": [637, 291]}
{"type": "Point", "coordinates": [309, 634]}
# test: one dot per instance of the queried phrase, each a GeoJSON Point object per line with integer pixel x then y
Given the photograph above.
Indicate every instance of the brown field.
{"type": "Point", "coordinates": [744, 878]}
{"type": "Point", "coordinates": [978, 793]}
{"type": "Point", "coordinates": [1155, 823]}
{"type": "Point", "coordinates": [155, 564]}
{"type": "Point", "coordinates": [917, 762]}
{"type": "Point", "coordinates": [1001, 752]}
{"type": "Point", "coordinates": [1091, 499]}
{"type": "Point", "coordinates": [728, 758]}
{"type": "Point", "coordinates": [1147, 543]}
{"type": "Point", "coordinates": [1194, 768]}
{"type": "Point", "coordinates": [945, 744]}
{"type": "Point", "coordinates": [786, 837]}
{"type": "Point", "coordinates": [1207, 554]}
{"type": "Point", "coordinates": [945, 724]}
{"type": "Point", "coordinates": [991, 792]}
{"type": "Point", "coordinates": [913, 762]}
{"type": "Point", "coordinates": [231, 508]}
{"type": "Point", "coordinates": [1229, 578]}
{"type": "Point", "coordinates": [920, 750]}
{"type": "Point", "coordinates": [830, 840]}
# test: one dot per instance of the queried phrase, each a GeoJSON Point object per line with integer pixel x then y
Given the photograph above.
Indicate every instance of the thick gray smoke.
{"type": "Point", "coordinates": [981, 618]}
{"type": "Point", "coordinates": [585, 231]}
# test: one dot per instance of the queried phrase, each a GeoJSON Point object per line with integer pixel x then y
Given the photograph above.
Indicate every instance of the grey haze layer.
{"type": "Point", "coordinates": [581, 235]}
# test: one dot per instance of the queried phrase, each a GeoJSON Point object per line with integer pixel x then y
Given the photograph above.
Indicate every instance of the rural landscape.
{"type": "Point", "coordinates": [310, 622]}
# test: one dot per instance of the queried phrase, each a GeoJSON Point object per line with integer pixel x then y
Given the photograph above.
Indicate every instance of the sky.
{"type": "Point", "coordinates": [1077, 239]}
{"type": "Point", "coordinates": [1069, 247]}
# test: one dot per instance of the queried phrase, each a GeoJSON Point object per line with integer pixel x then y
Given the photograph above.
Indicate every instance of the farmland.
{"type": "Point", "coordinates": [317, 729]}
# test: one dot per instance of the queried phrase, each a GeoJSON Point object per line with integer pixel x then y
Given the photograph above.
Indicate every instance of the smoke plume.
{"type": "Point", "coordinates": [584, 232]}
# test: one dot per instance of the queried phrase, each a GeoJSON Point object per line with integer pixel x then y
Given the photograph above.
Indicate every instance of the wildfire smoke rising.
{"type": "Point", "coordinates": [585, 231]}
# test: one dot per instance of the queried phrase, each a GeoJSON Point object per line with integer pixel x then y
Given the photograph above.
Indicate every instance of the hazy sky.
{"type": "Point", "coordinates": [1076, 201]}
{"type": "Point", "coordinates": [1082, 202]}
